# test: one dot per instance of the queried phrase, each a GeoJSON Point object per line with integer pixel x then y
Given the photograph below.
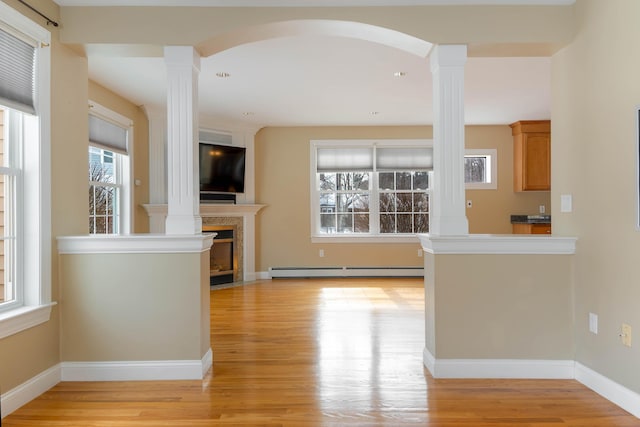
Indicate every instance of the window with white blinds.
{"type": "Point", "coordinates": [366, 188]}
{"type": "Point", "coordinates": [17, 70]}
{"type": "Point", "coordinates": [107, 135]}
{"type": "Point", "coordinates": [109, 171]}
{"type": "Point", "coordinates": [25, 173]}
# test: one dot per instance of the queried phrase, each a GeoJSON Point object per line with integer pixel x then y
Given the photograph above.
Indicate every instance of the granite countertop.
{"type": "Point", "coordinates": [530, 219]}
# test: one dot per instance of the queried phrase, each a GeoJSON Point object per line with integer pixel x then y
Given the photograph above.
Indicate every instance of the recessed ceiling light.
{"type": "Point", "coordinates": [375, 113]}
{"type": "Point", "coordinates": [399, 74]}
{"type": "Point", "coordinates": [222, 74]}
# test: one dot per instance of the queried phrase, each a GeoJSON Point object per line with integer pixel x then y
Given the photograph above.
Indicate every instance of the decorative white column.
{"type": "Point", "coordinates": [183, 68]}
{"type": "Point", "coordinates": [447, 218]}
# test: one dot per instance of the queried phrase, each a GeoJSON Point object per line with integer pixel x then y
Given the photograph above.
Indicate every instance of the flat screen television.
{"type": "Point", "coordinates": [222, 168]}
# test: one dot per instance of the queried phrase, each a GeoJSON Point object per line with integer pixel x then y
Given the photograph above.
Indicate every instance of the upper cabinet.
{"type": "Point", "coordinates": [531, 155]}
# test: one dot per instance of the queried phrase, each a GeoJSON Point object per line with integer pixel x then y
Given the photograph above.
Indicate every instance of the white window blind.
{"type": "Point", "coordinates": [107, 135]}
{"type": "Point", "coordinates": [17, 72]}
{"type": "Point", "coordinates": [404, 159]}
{"type": "Point", "coordinates": [344, 159]}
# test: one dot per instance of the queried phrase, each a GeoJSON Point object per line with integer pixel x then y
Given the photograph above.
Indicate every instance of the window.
{"type": "Point", "coordinates": [108, 172]}
{"type": "Point", "coordinates": [10, 201]}
{"type": "Point", "coordinates": [370, 189]}
{"type": "Point", "coordinates": [25, 293]}
{"type": "Point", "coordinates": [481, 169]}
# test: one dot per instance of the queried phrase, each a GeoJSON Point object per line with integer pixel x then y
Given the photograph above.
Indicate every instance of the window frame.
{"type": "Point", "coordinates": [374, 236]}
{"type": "Point", "coordinates": [492, 155]}
{"type": "Point", "coordinates": [35, 240]}
{"type": "Point", "coordinates": [123, 162]}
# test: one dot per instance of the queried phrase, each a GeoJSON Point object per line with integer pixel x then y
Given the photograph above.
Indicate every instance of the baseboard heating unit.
{"type": "Point", "coordinates": [305, 272]}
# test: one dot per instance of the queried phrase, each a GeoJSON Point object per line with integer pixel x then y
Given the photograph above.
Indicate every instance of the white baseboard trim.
{"type": "Point", "coordinates": [498, 368]}
{"type": "Point", "coordinates": [29, 390]}
{"type": "Point", "coordinates": [137, 370]}
{"type": "Point", "coordinates": [262, 275]}
{"type": "Point", "coordinates": [625, 398]}
{"type": "Point", "coordinates": [207, 362]}
{"type": "Point", "coordinates": [305, 272]}
{"type": "Point", "coordinates": [610, 390]}
{"type": "Point", "coordinates": [429, 361]}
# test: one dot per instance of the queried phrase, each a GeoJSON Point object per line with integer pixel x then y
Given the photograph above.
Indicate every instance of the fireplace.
{"type": "Point", "coordinates": [240, 217]}
{"type": "Point", "coordinates": [225, 256]}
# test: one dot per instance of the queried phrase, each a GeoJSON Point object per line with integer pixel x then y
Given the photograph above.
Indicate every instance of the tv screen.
{"type": "Point", "coordinates": [222, 168]}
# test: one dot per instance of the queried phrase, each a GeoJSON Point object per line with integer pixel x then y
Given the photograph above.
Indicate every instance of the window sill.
{"type": "Point", "coordinates": [22, 318]}
{"type": "Point", "coordinates": [352, 238]}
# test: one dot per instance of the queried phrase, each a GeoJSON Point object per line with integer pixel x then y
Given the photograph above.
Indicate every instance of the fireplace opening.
{"type": "Point", "coordinates": [223, 267]}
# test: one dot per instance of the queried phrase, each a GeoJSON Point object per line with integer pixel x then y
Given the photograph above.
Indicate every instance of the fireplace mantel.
{"type": "Point", "coordinates": [210, 209]}
{"type": "Point", "coordinates": [158, 214]}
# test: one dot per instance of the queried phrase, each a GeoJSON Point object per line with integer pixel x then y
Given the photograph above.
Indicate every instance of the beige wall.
{"type": "Point", "coordinates": [282, 183]}
{"type": "Point", "coordinates": [499, 306]}
{"type": "Point", "coordinates": [33, 351]}
{"type": "Point", "coordinates": [596, 89]}
{"type": "Point", "coordinates": [125, 307]}
{"type": "Point", "coordinates": [492, 209]}
{"type": "Point", "coordinates": [28, 353]}
{"type": "Point", "coordinates": [489, 30]}
{"type": "Point", "coordinates": [140, 154]}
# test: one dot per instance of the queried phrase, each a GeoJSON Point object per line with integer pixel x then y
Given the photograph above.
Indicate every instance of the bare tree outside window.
{"type": "Point", "coordinates": [103, 192]}
{"type": "Point", "coordinates": [475, 169]}
{"type": "Point", "coordinates": [404, 202]}
{"type": "Point", "coordinates": [344, 202]}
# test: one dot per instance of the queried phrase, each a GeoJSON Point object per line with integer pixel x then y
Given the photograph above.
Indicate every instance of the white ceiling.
{"type": "Point", "coordinates": [321, 80]}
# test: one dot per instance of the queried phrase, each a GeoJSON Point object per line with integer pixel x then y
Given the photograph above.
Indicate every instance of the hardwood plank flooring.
{"type": "Point", "coordinates": [321, 353]}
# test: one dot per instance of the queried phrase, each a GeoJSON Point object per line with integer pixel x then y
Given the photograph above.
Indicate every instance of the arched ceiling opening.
{"type": "Point", "coordinates": [315, 72]}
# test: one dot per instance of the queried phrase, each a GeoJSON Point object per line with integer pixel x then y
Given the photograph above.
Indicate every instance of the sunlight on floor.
{"type": "Point", "coordinates": [368, 336]}
{"type": "Point", "coordinates": [371, 298]}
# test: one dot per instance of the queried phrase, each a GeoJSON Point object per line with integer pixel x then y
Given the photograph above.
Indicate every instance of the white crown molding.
{"type": "Point", "coordinates": [509, 244]}
{"type": "Point", "coordinates": [134, 243]}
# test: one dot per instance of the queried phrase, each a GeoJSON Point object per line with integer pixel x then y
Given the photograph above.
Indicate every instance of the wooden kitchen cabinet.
{"type": "Point", "coordinates": [531, 155]}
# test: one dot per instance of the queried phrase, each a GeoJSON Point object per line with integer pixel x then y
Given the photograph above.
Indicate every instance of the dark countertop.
{"type": "Point", "coordinates": [530, 219]}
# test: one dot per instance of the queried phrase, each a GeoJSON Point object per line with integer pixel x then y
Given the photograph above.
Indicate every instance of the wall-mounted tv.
{"type": "Point", "coordinates": [222, 168]}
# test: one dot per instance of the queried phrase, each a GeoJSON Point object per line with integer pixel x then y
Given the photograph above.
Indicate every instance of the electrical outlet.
{"type": "Point", "coordinates": [321, 253]}
{"type": "Point", "coordinates": [625, 334]}
{"type": "Point", "coordinates": [419, 252]}
{"type": "Point", "coordinates": [542, 209]}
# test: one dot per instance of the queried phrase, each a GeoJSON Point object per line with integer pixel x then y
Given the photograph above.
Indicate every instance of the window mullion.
{"type": "Point", "coordinates": [374, 208]}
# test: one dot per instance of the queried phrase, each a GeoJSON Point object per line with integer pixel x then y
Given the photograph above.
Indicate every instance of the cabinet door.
{"type": "Point", "coordinates": [540, 229]}
{"type": "Point", "coordinates": [536, 162]}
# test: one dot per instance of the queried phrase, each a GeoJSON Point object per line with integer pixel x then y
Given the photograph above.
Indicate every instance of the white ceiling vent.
{"type": "Point", "coordinates": [215, 137]}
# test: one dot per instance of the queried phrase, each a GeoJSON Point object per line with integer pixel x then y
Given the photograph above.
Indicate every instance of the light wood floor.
{"type": "Point", "coordinates": [321, 353]}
